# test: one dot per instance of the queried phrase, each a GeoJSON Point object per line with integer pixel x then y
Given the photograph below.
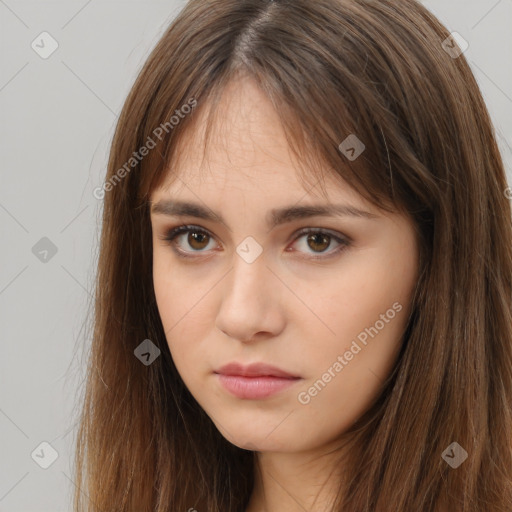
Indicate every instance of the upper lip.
{"type": "Point", "coordinates": [254, 370]}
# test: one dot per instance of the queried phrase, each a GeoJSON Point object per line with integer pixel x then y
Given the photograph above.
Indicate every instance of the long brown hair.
{"type": "Point", "coordinates": [389, 72]}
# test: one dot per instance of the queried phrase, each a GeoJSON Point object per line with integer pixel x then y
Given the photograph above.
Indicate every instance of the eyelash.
{"type": "Point", "coordinates": [173, 233]}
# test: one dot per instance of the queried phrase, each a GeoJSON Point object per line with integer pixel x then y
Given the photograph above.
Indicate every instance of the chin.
{"type": "Point", "coordinates": [265, 440]}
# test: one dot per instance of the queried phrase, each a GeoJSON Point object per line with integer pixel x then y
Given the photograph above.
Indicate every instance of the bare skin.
{"type": "Point", "coordinates": [284, 308]}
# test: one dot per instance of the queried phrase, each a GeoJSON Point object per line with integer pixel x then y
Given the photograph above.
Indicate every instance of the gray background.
{"type": "Point", "coordinates": [57, 120]}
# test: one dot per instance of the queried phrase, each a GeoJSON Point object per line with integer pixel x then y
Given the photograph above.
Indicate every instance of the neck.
{"type": "Point", "coordinates": [294, 482]}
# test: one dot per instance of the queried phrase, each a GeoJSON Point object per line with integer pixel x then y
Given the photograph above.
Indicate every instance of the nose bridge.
{"type": "Point", "coordinates": [249, 298]}
{"type": "Point", "coordinates": [250, 275]}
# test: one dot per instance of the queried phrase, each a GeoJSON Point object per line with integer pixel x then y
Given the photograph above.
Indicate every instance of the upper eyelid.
{"type": "Point", "coordinates": [191, 227]}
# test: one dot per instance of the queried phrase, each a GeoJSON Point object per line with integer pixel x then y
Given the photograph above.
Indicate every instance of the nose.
{"type": "Point", "coordinates": [251, 306]}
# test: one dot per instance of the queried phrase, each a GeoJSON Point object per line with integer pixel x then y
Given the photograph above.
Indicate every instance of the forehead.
{"type": "Point", "coordinates": [247, 151]}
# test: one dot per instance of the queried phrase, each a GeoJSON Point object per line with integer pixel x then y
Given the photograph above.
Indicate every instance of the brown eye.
{"type": "Point", "coordinates": [315, 242]}
{"type": "Point", "coordinates": [196, 239]}
{"type": "Point", "coordinates": [318, 241]}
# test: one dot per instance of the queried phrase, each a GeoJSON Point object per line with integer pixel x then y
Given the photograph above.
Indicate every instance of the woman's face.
{"type": "Point", "coordinates": [246, 285]}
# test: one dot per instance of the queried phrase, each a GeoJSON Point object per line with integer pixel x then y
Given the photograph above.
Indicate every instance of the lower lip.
{"type": "Point", "coordinates": [254, 388]}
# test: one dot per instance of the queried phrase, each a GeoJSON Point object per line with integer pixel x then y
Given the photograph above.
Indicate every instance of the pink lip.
{"type": "Point", "coordinates": [255, 381]}
{"type": "Point", "coordinates": [254, 370]}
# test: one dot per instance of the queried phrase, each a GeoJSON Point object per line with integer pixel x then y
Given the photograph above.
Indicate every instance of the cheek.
{"type": "Point", "coordinates": [355, 299]}
{"type": "Point", "coordinates": [177, 294]}
{"type": "Point", "coordinates": [363, 329]}
{"type": "Point", "coordinates": [186, 312]}
{"type": "Point", "coordinates": [366, 309]}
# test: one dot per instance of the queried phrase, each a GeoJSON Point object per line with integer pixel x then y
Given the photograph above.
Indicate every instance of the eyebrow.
{"type": "Point", "coordinates": [275, 217]}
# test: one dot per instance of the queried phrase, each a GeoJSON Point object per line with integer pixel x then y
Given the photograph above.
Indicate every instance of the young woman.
{"type": "Point", "coordinates": [304, 293]}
